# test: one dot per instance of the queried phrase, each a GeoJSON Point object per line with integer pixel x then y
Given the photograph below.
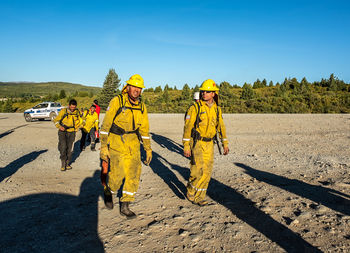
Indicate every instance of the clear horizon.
{"type": "Point", "coordinates": [174, 42]}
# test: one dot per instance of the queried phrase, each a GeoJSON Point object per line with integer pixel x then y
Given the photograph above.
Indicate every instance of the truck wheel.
{"type": "Point", "coordinates": [27, 117]}
{"type": "Point", "coordinates": [52, 116]}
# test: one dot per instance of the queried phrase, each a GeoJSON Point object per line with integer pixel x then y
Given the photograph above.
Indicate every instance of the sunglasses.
{"type": "Point", "coordinates": [206, 91]}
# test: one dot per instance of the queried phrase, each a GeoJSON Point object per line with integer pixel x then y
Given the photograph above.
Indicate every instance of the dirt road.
{"type": "Point", "coordinates": [285, 187]}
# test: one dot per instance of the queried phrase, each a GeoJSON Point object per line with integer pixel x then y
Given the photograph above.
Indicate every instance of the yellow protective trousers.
{"type": "Point", "coordinates": [125, 164]}
{"type": "Point", "coordinates": [201, 169]}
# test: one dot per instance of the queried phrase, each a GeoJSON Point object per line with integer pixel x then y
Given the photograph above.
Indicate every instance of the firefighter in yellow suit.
{"type": "Point", "coordinates": [90, 125]}
{"type": "Point", "coordinates": [68, 122]}
{"type": "Point", "coordinates": [124, 126]}
{"type": "Point", "coordinates": [203, 121]}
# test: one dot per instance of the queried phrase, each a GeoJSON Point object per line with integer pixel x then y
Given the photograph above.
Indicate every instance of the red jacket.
{"type": "Point", "coordinates": [98, 109]}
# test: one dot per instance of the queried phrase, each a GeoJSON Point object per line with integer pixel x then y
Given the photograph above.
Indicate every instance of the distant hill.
{"type": "Point", "coordinates": [20, 89]}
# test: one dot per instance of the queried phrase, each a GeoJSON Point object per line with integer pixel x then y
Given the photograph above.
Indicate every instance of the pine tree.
{"type": "Point", "coordinates": [248, 92]}
{"type": "Point", "coordinates": [166, 97]}
{"type": "Point", "coordinates": [62, 94]}
{"type": "Point", "coordinates": [109, 89]}
{"type": "Point", "coordinates": [257, 84]}
{"type": "Point", "coordinates": [158, 89]}
{"type": "Point", "coordinates": [186, 92]}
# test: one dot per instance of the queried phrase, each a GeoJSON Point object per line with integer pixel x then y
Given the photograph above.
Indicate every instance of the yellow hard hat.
{"type": "Point", "coordinates": [209, 85]}
{"type": "Point", "coordinates": [136, 80]}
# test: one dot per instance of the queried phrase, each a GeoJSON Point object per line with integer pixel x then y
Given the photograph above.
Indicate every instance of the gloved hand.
{"type": "Point", "coordinates": [226, 150]}
{"type": "Point", "coordinates": [148, 157]}
{"type": "Point", "coordinates": [104, 172]}
{"type": "Point", "coordinates": [187, 151]}
{"type": "Point", "coordinates": [104, 153]}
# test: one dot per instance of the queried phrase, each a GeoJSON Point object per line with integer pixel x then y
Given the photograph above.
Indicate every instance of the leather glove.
{"type": "Point", "coordinates": [104, 153]}
{"type": "Point", "coordinates": [148, 157]}
{"type": "Point", "coordinates": [187, 151]}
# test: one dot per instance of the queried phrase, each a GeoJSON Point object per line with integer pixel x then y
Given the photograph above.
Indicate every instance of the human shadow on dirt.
{"type": "Point", "coordinates": [76, 151]}
{"type": "Point", "coordinates": [165, 142]}
{"type": "Point", "coordinates": [158, 165]}
{"type": "Point", "coordinates": [15, 165]}
{"type": "Point", "coordinates": [4, 118]}
{"type": "Point", "coordinates": [11, 130]}
{"type": "Point", "coordinates": [240, 206]}
{"type": "Point", "coordinates": [52, 222]}
{"type": "Point", "coordinates": [326, 196]}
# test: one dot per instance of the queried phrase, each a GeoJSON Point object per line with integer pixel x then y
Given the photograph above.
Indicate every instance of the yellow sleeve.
{"type": "Point", "coordinates": [144, 130]}
{"type": "Point", "coordinates": [189, 124]}
{"type": "Point", "coordinates": [80, 121]}
{"type": "Point", "coordinates": [96, 121]}
{"type": "Point", "coordinates": [59, 117]}
{"type": "Point", "coordinates": [222, 130]}
{"type": "Point", "coordinates": [108, 120]}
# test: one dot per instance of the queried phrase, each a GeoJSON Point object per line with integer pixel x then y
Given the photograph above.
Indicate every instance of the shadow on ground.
{"type": "Point", "coordinates": [158, 165]}
{"type": "Point", "coordinates": [11, 131]}
{"type": "Point", "coordinates": [52, 222]}
{"type": "Point", "coordinates": [15, 165]}
{"type": "Point", "coordinates": [76, 151]}
{"type": "Point", "coordinates": [240, 206]}
{"type": "Point", "coordinates": [319, 194]}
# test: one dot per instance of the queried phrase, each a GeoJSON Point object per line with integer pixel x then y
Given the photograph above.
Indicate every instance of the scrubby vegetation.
{"type": "Point", "coordinates": [291, 96]}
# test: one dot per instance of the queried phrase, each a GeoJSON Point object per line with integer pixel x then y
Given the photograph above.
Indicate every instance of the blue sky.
{"type": "Point", "coordinates": [174, 42]}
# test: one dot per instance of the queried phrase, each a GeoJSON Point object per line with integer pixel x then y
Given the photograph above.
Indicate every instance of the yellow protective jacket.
{"type": "Point", "coordinates": [90, 121]}
{"type": "Point", "coordinates": [210, 122]}
{"type": "Point", "coordinates": [69, 120]}
{"type": "Point", "coordinates": [130, 118]}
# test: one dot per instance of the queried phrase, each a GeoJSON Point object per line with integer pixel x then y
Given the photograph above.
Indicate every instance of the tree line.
{"type": "Point", "coordinates": [291, 96]}
{"type": "Point", "coordinates": [329, 95]}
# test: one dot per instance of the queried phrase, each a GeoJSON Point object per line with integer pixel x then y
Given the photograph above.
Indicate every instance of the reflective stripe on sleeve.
{"type": "Point", "coordinates": [103, 132]}
{"type": "Point", "coordinates": [145, 137]}
{"type": "Point", "coordinates": [56, 123]}
{"type": "Point", "coordinates": [186, 139]}
{"type": "Point", "coordinates": [129, 193]}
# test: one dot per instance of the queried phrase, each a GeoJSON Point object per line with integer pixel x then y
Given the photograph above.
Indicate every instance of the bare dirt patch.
{"type": "Point", "coordinates": [285, 187]}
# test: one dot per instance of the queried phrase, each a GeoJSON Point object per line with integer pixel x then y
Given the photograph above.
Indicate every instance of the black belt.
{"type": "Point", "coordinates": [115, 129]}
{"type": "Point", "coordinates": [66, 127]}
{"type": "Point", "coordinates": [205, 139]}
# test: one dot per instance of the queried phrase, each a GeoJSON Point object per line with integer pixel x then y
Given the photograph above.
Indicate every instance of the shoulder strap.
{"type": "Point", "coordinates": [64, 115]}
{"type": "Point", "coordinates": [121, 102]}
{"type": "Point", "coordinates": [217, 116]}
{"type": "Point", "coordinates": [198, 107]}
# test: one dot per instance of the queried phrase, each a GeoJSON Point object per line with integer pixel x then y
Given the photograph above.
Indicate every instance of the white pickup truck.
{"type": "Point", "coordinates": [44, 110]}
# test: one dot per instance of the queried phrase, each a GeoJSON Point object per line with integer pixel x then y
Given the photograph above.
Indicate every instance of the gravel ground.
{"type": "Point", "coordinates": [284, 187]}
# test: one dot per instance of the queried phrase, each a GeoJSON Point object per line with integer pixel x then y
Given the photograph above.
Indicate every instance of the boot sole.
{"type": "Point", "coordinates": [129, 217]}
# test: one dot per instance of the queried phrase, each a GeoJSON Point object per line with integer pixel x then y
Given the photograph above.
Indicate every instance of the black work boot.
{"type": "Point", "coordinates": [93, 146]}
{"type": "Point", "coordinates": [124, 210]}
{"type": "Point", "coordinates": [108, 198]}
